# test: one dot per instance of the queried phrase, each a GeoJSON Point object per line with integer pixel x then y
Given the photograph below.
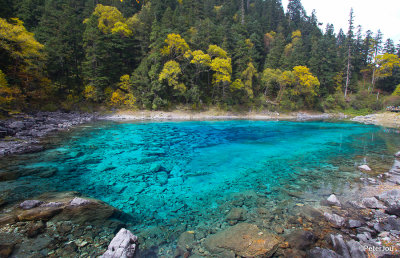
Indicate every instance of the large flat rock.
{"type": "Point", "coordinates": [243, 239]}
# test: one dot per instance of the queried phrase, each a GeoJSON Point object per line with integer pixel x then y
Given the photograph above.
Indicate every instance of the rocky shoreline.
{"type": "Point", "coordinates": [23, 133]}
{"type": "Point", "coordinates": [145, 115]}
{"type": "Point", "coordinates": [387, 119]}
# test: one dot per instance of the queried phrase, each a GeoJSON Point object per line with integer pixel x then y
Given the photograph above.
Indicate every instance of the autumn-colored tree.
{"type": "Point", "coordinates": [123, 96]}
{"type": "Point", "coordinates": [112, 21]}
{"type": "Point", "coordinates": [200, 58]}
{"type": "Point", "coordinates": [170, 73]}
{"type": "Point", "coordinates": [396, 92]}
{"type": "Point", "coordinates": [385, 65]}
{"type": "Point", "coordinates": [176, 46]}
{"type": "Point", "coordinates": [248, 76]}
{"type": "Point", "coordinates": [21, 61]}
{"type": "Point", "coordinates": [301, 85]}
{"type": "Point", "coordinates": [216, 51]}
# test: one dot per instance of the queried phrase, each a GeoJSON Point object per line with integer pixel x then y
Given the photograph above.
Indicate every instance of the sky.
{"type": "Point", "coordinates": [370, 14]}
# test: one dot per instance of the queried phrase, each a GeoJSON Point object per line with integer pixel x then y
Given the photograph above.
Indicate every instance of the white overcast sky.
{"type": "Point", "coordinates": [370, 14]}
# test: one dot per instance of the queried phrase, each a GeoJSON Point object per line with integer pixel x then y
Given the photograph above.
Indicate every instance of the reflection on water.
{"type": "Point", "coordinates": [164, 173]}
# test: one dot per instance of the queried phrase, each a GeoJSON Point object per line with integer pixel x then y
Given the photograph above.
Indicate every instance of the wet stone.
{"type": "Point", "coordinates": [301, 239]}
{"type": "Point", "coordinates": [243, 239]}
{"type": "Point", "coordinates": [236, 214]}
{"type": "Point", "coordinates": [185, 243]}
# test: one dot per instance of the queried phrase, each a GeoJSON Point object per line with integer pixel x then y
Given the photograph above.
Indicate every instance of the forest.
{"type": "Point", "coordinates": [163, 54]}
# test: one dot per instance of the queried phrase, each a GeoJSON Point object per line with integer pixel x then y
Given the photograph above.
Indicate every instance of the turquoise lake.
{"type": "Point", "coordinates": [169, 173]}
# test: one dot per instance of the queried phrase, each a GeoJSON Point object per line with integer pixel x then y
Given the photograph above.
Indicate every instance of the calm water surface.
{"type": "Point", "coordinates": [159, 173]}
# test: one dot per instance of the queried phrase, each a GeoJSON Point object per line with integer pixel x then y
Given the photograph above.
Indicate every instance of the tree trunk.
{"type": "Point", "coordinates": [373, 78]}
{"type": "Point", "coordinates": [242, 12]}
{"type": "Point", "coordinates": [348, 72]}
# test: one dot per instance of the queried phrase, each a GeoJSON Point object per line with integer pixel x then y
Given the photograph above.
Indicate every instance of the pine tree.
{"type": "Point", "coordinates": [389, 47]}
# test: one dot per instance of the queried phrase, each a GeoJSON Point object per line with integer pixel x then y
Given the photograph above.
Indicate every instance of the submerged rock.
{"type": "Point", "coordinates": [333, 200]}
{"type": "Point", "coordinates": [236, 214]}
{"type": "Point", "coordinates": [243, 239]}
{"type": "Point", "coordinates": [7, 176]}
{"type": "Point", "coordinates": [123, 245]}
{"type": "Point", "coordinates": [185, 244]}
{"type": "Point", "coordinates": [39, 213]}
{"type": "Point", "coordinates": [301, 239]}
{"type": "Point", "coordinates": [82, 210]}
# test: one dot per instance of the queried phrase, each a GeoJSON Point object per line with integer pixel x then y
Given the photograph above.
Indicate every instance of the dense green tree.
{"type": "Point", "coordinates": [160, 53]}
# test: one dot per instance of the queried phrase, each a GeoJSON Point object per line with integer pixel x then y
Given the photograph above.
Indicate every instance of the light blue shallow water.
{"type": "Point", "coordinates": [160, 171]}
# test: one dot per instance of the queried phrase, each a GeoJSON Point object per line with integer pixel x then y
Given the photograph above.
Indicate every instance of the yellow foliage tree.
{"type": "Point", "coordinates": [24, 63]}
{"type": "Point", "coordinates": [301, 83]}
{"type": "Point", "coordinates": [170, 73]}
{"type": "Point", "coordinates": [90, 93]}
{"type": "Point", "coordinates": [112, 21]}
{"type": "Point", "coordinates": [200, 58]}
{"type": "Point", "coordinates": [396, 92]}
{"type": "Point", "coordinates": [216, 51]}
{"type": "Point", "coordinates": [247, 76]}
{"type": "Point", "coordinates": [386, 63]}
{"type": "Point", "coordinates": [223, 70]}
{"type": "Point", "coordinates": [176, 46]}
{"type": "Point", "coordinates": [18, 42]}
{"type": "Point", "coordinates": [123, 96]}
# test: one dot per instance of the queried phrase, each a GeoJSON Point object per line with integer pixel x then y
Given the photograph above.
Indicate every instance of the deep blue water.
{"type": "Point", "coordinates": [158, 171]}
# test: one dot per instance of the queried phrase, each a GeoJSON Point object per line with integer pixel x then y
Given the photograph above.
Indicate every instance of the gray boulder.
{"type": "Point", "coordinates": [333, 200]}
{"type": "Point", "coordinates": [392, 201]}
{"type": "Point", "coordinates": [354, 223]}
{"type": "Point", "coordinates": [319, 252]}
{"type": "Point", "coordinates": [356, 205]}
{"type": "Point", "coordinates": [397, 154]}
{"type": "Point", "coordinates": [355, 249]}
{"type": "Point", "coordinates": [372, 203]}
{"type": "Point", "coordinates": [123, 245]}
{"type": "Point", "coordinates": [336, 220]}
{"type": "Point", "coordinates": [339, 245]}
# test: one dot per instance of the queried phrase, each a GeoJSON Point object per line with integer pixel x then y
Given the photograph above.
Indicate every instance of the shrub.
{"type": "Point", "coordinates": [392, 101]}
{"type": "Point", "coordinates": [396, 92]}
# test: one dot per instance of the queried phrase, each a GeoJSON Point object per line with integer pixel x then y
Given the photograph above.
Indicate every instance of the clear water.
{"type": "Point", "coordinates": [160, 172]}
